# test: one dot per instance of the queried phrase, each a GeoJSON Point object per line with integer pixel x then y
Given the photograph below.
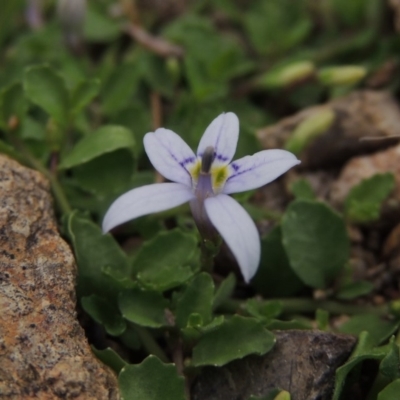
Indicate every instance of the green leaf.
{"type": "Point", "coordinates": [117, 93]}
{"type": "Point", "coordinates": [316, 242]}
{"type": "Point", "coordinates": [225, 290]}
{"type": "Point", "coordinates": [104, 313]}
{"type": "Point", "coordinates": [156, 74]}
{"type": "Point", "coordinates": [197, 298]}
{"type": "Point", "coordinates": [302, 190]}
{"type": "Point", "coordinates": [265, 310]}
{"type": "Point", "coordinates": [143, 307]}
{"type": "Point", "coordinates": [354, 289]}
{"type": "Point", "coordinates": [233, 339]}
{"type": "Point", "coordinates": [275, 276]}
{"type": "Point", "coordinates": [99, 27]}
{"type": "Point", "coordinates": [106, 139]}
{"type": "Point", "coordinates": [93, 250]}
{"type": "Point", "coordinates": [44, 87]}
{"type": "Point", "coordinates": [84, 94]}
{"type": "Point", "coordinates": [364, 351]}
{"type": "Point", "coordinates": [106, 176]}
{"type": "Point", "coordinates": [378, 328]}
{"type": "Point", "coordinates": [151, 380]}
{"type": "Point", "coordinates": [277, 26]}
{"type": "Point", "coordinates": [391, 391]}
{"type": "Point", "coordinates": [12, 104]}
{"type": "Point", "coordinates": [364, 201]}
{"type": "Point", "coordinates": [109, 357]}
{"type": "Point", "coordinates": [165, 261]}
{"type": "Point", "coordinates": [390, 365]}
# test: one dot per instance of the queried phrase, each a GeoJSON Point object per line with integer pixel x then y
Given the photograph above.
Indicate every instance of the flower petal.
{"type": "Point", "coordinates": [251, 172]}
{"type": "Point", "coordinates": [145, 200]}
{"type": "Point", "coordinates": [238, 230]}
{"type": "Point", "coordinates": [170, 155]}
{"type": "Point", "coordinates": [222, 134]}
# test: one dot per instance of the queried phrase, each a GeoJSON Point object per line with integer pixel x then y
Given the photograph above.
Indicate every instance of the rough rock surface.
{"type": "Point", "coordinates": [302, 362]}
{"type": "Point", "coordinates": [360, 114]}
{"type": "Point", "coordinates": [43, 350]}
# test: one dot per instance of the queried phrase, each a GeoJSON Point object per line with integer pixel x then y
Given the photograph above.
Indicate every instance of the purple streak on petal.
{"type": "Point", "coordinates": [222, 134]}
{"type": "Point", "coordinates": [251, 172]}
{"type": "Point", "coordinates": [170, 155]}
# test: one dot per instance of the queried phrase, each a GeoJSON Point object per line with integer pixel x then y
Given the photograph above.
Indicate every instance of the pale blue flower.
{"type": "Point", "coordinates": [205, 180]}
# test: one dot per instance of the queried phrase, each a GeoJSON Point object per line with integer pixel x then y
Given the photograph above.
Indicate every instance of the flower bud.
{"type": "Point", "coordinates": [283, 395]}
{"type": "Point", "coordinates": [287, 75]}
{"type": "Point", "coordinates": [310, 128]}
{"type": "Point", "coordinates": [342, 76]}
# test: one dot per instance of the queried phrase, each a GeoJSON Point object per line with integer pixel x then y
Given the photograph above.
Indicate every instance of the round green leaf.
{"type": "Point", "coordinates": [165, 261]}
{"type": "Point", "coordinates": [316, 242]}
{"type": "Point", "coordinates": [151, 380]}
{"type": "Point", "coordinates": [391, 391]}
{"type": "Point", "coordinates": [107, 139]}
{"type": "Point", "coordinates": [93, 251]}
{"type": "Point", "coordinates": [143, 307]}
{"type": "Point", "coordinates": [233, 339]}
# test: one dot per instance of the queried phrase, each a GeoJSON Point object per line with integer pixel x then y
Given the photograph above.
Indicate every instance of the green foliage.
{"type": "Point", "coordinates": [137, 382]}
{"type": "Point", "coordinates": [78, 112]}
{"type": "Point", "coordinates": [363, 203]}
{"type": "Point", "coordinates": [275, 276]}
{"type": "Point", "coordinates": [391, 391]}
{"type": "Point", "coordinates": [364, 350]}
{"type": "Point", "coordinates": [353, 290]}
{"type": "Point", "coordinates": [233, 339]}
{"type": "Point", "coordinates": [104, 313]}
{"type": "Point", "coordinates": [44, 87]}
{"type": "Point", "coordinates": [302, 190]}
{"type": "Point", "coordinates": [111, 358]}
{"type": "Point", "coordinates": [197, 298]}
{"type": "Point", "coordinates": [95, 251]}
{"type": "Point", "coordinates": [166, 261]}
{"type": "Point", "coordinates": [316, 242]}
{"type": "Point", "coordinates": [378, 328]}
{"type": "Point", "coordinates": [143, 307]}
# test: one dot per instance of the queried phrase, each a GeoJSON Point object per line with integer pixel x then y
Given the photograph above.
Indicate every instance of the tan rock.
{"type": "Point", "coordinates": [361, 114]}
{"type": "Point", "coordinates": [43, 350]}
{"type": "Point", "coordinates": [360, 168]}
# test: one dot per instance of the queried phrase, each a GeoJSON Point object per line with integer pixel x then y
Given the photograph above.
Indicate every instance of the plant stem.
{"type": "Point", "coordinates": [150, 344]}
{"type": "Point", "coordinates": [302, 305]}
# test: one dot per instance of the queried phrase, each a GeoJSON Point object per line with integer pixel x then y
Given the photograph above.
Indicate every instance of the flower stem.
{"type": "Point", "coordinates": [209, 250]}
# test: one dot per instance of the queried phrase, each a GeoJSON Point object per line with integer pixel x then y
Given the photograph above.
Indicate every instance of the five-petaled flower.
{"type": "Point", "coordinates": [205, 180]}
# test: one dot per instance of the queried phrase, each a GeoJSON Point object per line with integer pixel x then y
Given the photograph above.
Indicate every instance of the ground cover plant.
{"type": "Point", "coordinates": [80, 87]}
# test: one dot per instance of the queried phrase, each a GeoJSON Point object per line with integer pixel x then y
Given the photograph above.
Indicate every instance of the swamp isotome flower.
{"type": "Point", "coordinates": [205, 180]}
